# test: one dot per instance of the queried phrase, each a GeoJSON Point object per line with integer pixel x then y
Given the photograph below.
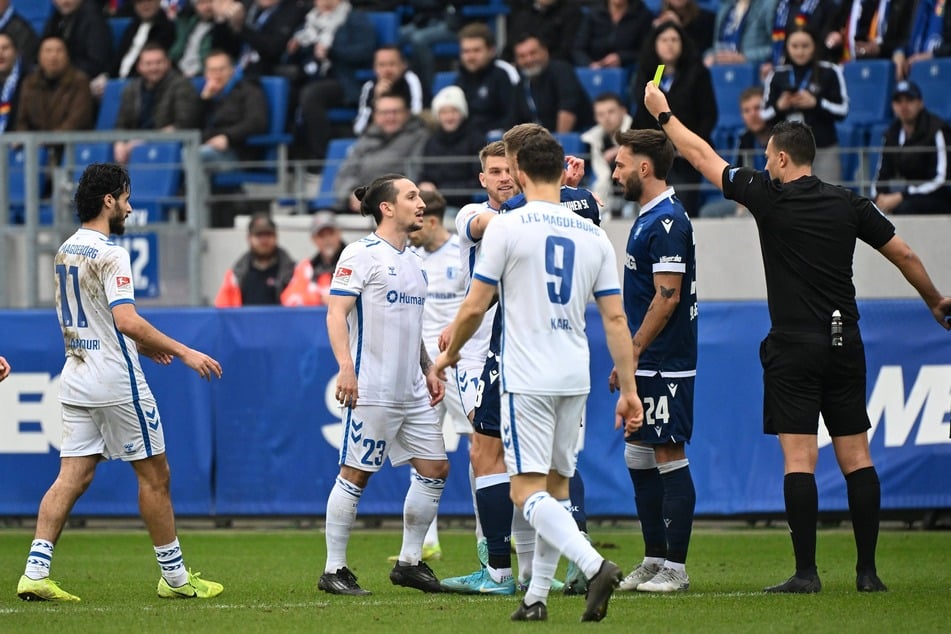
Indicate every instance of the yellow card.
{"type": "Point", "coordinates": [658, 74]}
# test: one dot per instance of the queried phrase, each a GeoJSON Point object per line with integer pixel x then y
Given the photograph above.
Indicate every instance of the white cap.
{"type": "Point", "coordinates": [451, 96]}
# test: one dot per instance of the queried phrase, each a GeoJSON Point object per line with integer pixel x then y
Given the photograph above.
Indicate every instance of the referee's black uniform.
{"type": "Point", "coordinates": [807, 231]}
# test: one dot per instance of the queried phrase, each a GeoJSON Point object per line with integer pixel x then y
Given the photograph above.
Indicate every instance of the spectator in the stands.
{"type": "Point", "coordinates": [232, 109]}
{"type": "Point", "coordinates": [869, 29]}
{"type": "Point", "coordinates": [260, 275]}
{"type": "Point", "coordinates": [553, 22]}
{"type": "Point", "coordinates": [450, 156]}
{"type": "Point", "coordinates": [612, 117]}
{"type": "Point", "coordinates": [751, 150]}
{"type": "Point", "coordinates": [816, 15]}
{"type": "Point", "coordinates": [20, 31]}
{"type": "Point", "coordinates": [12, 74]}
{"type": "Point", "coordinates": [431, 22]}
{"type": "Point", "coordinates": [392, 143]}
{"type": "Point", "coordinates": [158, 98]}
{"type": "Point", "coordinates": [930, 36]}
{"type": "Point", "coordinates": [488, 82]}
{"type": "Point", "coordinates": [549, 92]}
{"type": "Point", "coordinates": [697, 22]}
{"type": "Point", "coordinates": [742, 33]}
{"type": "Point", "coordinates": [258, 32]}
{"type": "Point", "coordinates": [913, 169]}
{"type": "Point", "coordinates": [611, 35]}
{"type": "Point", "coordinates": [689, 90]}
{"type": "Point", "coordinates": [194, 37]}
{"type": "Point", "coordinates": [80, 23]}
{"type": "Point", "coordinates": [813, 91]}
{"type": "Point", "coordinates": [390, 75]}
{"type": "Point", "coordinates": [55, 97]}
{"type": "Point", "coordinates": [310, 284]}
{"type": "Point", "coordinates": [335, 41]}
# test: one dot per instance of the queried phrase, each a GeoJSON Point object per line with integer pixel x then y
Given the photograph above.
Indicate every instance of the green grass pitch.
{"type": "Point", "coordinates": [270, 579]}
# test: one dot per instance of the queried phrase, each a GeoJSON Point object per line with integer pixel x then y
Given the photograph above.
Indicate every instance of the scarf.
{"type": "Point", "coordinates": [6, 94]}
{"type": "Point", "coordinates": [806, 9]}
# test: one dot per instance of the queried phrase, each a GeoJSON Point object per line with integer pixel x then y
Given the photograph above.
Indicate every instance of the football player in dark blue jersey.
{"type": "Point", "coordinates": [660, 299]}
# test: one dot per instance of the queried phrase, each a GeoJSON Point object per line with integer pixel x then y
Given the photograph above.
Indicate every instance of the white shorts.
{"type": "Point", "coordinates": [468, 372]}
{"type": "Point", "coordinates": [451, 410]}
{"type": "Point", "coordinates": [373, 432]}
{"type": "Point", "coordinates": [131, 431]}
{"type": "Point", "coordinates": [540, 432]}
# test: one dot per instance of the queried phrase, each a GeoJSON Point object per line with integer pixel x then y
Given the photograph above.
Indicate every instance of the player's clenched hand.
{"type": "Point", "coordinates": [442, 362]}
{"type": "Point", "coordinates": [655, 100]}
{"type": "Point", "coordinates": [346, 393]}
{"type": "Point", "coordinates": [437, 390]}
{"type": "Point", "coordinates": [574, 170]}
{"type": "Point", "coordinates": [4, 369]}
{"type": "Point", "coordinates": [629, 412]}
{"type": "Point", "coordinates": [201, 363]}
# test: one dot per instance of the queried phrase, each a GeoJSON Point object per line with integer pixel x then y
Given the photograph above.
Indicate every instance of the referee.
{"type": "Point", "coordinates": [813, 358]}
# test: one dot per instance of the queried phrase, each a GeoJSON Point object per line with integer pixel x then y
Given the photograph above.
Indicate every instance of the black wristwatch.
{"type": "Point", "coordinates": [664, 117]}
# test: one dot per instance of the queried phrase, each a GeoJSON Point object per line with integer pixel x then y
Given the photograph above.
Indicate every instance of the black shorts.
{"type": "Point", "coordinates": [803, 376]}
{"type": "Point", "coordinates": [488, 413]}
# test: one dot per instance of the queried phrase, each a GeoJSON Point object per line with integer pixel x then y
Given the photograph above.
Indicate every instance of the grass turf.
{"type": "Point", "coordinates": [270, 586]}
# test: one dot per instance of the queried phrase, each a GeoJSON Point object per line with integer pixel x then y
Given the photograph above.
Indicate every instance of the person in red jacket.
{"type": "Point", "coordinates": [312, 276]}
{"type": "Point", "coordinates": [259, 276]}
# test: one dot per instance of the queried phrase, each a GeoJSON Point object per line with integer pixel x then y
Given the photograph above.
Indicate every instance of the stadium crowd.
{"type": "Point", "coordinates": [559, 60]}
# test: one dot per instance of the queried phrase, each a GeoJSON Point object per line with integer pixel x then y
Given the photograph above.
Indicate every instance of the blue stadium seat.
{"type": "Point", "coordinates": [336, 153]}
{"type": "Point", "coordinates": [275, 141]}
{"type": "Point", "coordinates": [16, 186]}
{"type": "Point", "coordinates": [851, 138]}
{"type": "Point", "coordinates": [571, 142]}
{"type": "Point", "coordinates": [87, 153]}
{"type": "Point", "coordinates": [874, 149]}
{"type": "Point", "coordinates": [443, 79]}
{"type": "Point", "coordinates": [118, 27]}
{"type": "Point", "coordinates": [601, 80]}
{"type": "Point", "coordinates": [387, 26]}
{"type": "Point", "coordinates": [35, 12]}
{"type": "Point", "coordinates": [869, 84]}
{"type": "Point", "coordinates": [729, 81]}
{"type": "Point", "coordinates": [342, 115]}
{"type": "Point", "coordinates": [156, 174]}
{"type": "Point", "coordinates": [109, 106]}
{"type": "Point", "coordinates": [933, 77]}
{"type": "Point", "coordinates": [483, 10]}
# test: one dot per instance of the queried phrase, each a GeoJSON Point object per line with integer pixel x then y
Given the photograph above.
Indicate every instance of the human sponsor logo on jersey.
{"type": "Point", "coordinates": [122, 281]}
{"type": "Point", "coordinates": [667, 222]}
{"type": "Point", "coordinates": [343, 274]}
{"type": "Point", "coordinates": [394, 297]}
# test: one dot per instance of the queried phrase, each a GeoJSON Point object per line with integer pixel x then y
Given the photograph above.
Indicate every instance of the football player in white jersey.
{"type": "Point", "coordinates": [108, 409]}
{"type": "Point", "coordinates": [386, 384]}
{"type": "Point", "coordinates": [545, 262]}
{"type": "Point", "coordinates": [439, 251]}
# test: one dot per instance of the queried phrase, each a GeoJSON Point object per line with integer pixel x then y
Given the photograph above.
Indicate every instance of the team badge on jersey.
{"type": "Point", "coordinates": [343, 274]}
{"type": "Point", "coordinates": [122, 281]}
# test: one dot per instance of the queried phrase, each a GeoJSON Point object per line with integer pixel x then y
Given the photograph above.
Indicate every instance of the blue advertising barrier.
{"type": "Point", "coordinates": [264, 440]}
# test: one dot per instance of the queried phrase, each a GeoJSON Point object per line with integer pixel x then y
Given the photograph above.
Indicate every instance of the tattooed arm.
{"type": "Point", "coordinates": [666, 298]}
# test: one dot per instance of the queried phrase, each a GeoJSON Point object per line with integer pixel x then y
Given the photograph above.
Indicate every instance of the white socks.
{"type": "Point", "coordinates": [554, 524]}
{"type": "Point", "coordinates": [524, 537]}
{"type": "Point", "coordinates": [546, 560]}
{"type": "Point", "coordinates": [39, 560]}
{"type": "Point", "coordinates": [341, 512]}
{"type": "Point", "coordinates": [170, 561]}
{"type": "Point", "coordinates": [419, 510]}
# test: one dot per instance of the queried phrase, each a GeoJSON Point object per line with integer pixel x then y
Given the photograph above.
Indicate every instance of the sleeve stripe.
{"type": "Point", "coordinates": [607, 291]}
{"type": "Point", "coordinates": [337, 291]}
{"type": "Point", "coordinates": [669, 267]}
{"type": "Point", "coordinates": [121, 301]}
{"type": "Point", "coordinates": [486, 280]}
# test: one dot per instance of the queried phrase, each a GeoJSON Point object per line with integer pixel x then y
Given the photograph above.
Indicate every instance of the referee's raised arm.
{"type": "Point", "coordinates": [697, 151]}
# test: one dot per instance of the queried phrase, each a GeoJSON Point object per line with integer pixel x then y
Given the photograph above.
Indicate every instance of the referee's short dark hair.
{"type": "Point", "coordinates": [653, 144]}
{"type": "Point", "coordinates": [542, 159]}
{"type": "Point", "coordinates": [796, 140]}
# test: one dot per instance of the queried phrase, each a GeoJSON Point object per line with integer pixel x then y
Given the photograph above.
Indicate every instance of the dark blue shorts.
{"type": "Point", "coordinates": [668, 410]}
{"type": "Point", "coordinates": [488, 416]}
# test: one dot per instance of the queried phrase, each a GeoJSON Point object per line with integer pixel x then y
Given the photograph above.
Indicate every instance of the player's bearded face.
{"type": "Point", "coordinates": [633, 186]}
{"type": "Point", "coordinates": [118, 216]}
